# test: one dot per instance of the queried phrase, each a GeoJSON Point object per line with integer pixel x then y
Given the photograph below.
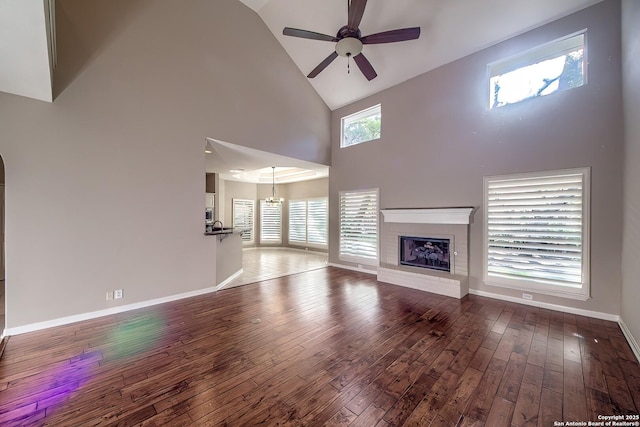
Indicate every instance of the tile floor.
{"type": "Point", "coordinates": [268, 263]}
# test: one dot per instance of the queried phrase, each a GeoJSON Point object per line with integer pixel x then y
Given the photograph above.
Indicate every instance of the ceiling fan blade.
{"type": "Point", "coordinates": [356, 10]}
{"type": "Point", "coordinates": [324, 64]}
{"type": "Point", "coordinates": [294, 32]}
{"type": "Point", "coordinates": [365, 66]}
{"type": "Point", "coordinates": [392, 36]}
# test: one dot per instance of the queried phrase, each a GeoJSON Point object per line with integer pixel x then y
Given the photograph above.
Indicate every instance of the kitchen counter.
{"type": "Point", "coordinates": [216, 231]}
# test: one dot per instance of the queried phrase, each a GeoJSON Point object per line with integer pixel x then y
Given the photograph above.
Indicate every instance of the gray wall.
{"type": "Point", "coordinates": [308, 189]}
{"type": "Point", "coordinates": [104, 186]}
{"type": "Point", "coordinates": [439, 139]}
{"type": "Point", "coordinates": [631, 224]}
{"type": "Point", "coordinates": [228, 256]}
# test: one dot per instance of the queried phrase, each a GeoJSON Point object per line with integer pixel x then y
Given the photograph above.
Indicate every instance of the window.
{"type": "Point", "coordinates": [360, 127]}
{"type": "Point", "coordinates": [297, 221]}
{"type": "Point", "coordinates": [317, 222]}
{"type": "Point", "coordinates": [549, 68]}
{"type": "Point", "coordinates": [536, 232]}
{"type": "Point", "coordinates": [270, 222]}
{"type": "Point", "coordinates": [243, 218]}
{"type": "Point", "coordinates": [359, 226]}
{"type": "Point", "coordinates": [308, 222]}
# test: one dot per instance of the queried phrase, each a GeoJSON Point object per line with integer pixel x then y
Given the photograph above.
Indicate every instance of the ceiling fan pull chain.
{"type": "Point", "coordinates": [348, 62]}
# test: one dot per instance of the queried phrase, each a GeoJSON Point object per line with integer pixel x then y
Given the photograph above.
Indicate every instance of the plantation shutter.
{"type": "Point", "coordinates": [317, 221]}
{"type": "Point", "coordinates": [270, 222]}
{"type": "Point", "coordinates": [243, 218]}
{"type": "Point", "coordinates": [535, 228]}
{"type": "Point", "coordinates": [359, 226]}
{"type": "Point", "coordinates": [297, 221]}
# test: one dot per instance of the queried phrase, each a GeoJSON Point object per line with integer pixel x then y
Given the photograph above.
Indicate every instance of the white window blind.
{"type": "Point", "coordinates": [536, 230]}
{"type": "Point", "coordinates": [308, 222]}
{"type": "Point", "coordinates": [297, 221]}
{"type": "Point", "coordinates": [243, 215]}
{"type": "Point", "coordinates": [270, 222]}
{"type": "Point", "coordinates": [359, 226]}
{"type": "Point", "coordinates": [317, 222]}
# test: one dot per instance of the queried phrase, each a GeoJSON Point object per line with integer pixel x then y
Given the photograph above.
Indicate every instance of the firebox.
{"type": "Point", "coordinates": [425, 252]}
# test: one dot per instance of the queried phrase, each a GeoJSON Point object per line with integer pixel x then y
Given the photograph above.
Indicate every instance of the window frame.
{"type": "Point", "coordinates": [349, 257]}
{"type": "Point", "coordinates": [306, 242]}
{"type": "Point", "coordinates": [270, 241]}
{"type": "Point", "coordinates": [359, 115]}
{"type": "Point", "coordinates": [534, 56]}
{"type": "Point", "coordinates": [581, 292]}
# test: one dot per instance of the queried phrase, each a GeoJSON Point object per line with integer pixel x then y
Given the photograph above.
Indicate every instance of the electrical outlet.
{"type": "Point", "coordinates": [118, 294]}
{"type": "Point", "coordinates": [527, 296]}
{"type": "Point", "coordinates": [109, 295]}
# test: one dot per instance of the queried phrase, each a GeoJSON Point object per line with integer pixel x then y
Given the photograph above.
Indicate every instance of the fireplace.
{"type": "Point", "coordinates": [425, 252]}
{"type": "Point", "coordinates": [447, 229]}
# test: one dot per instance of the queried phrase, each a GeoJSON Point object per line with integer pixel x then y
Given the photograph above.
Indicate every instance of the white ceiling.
{"type": "Point", "coordinates": [238, 163]}
{"type": "Point", "coordinates": [24, 49]}
{"type": "Point", "coordinates": [450, 29]}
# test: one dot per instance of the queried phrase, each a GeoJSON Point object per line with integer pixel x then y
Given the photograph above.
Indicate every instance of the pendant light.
{"type": "Point", "coordinates": [273, 200]}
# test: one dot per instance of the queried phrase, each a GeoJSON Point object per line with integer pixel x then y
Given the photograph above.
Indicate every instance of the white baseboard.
{"type": "Point", "coordinates": [100, 313]}
{"type": "Point", "coordinates": [630, 339]}
{"type": "Point", "coordinates": [349, 267]}
{"type": "Point", "coordinates": [556, 307]}
{"type": "Point", "coordinates": [229, 279]}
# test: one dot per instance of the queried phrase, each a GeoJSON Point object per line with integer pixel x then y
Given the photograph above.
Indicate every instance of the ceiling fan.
{"type": "Point", "coordinates": [349, 40]}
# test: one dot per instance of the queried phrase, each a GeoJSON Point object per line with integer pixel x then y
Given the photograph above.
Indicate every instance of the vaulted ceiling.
{"type": "Point", "coordinates": [24, 49]}
{"type": "Point", "coordinates": [450, 29]}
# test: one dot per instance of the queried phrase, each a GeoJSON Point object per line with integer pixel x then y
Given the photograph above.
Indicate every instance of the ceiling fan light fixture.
{"type": "Point", "coordinates": [349, 46]}
{"type": "Point", "coordinates": [349, 40]}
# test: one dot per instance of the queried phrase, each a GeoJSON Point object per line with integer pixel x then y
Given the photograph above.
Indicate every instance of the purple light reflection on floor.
{"type": "Point", "coordinates": [60, 382]}
{"type": "Point", "coordinates": [56, 385]}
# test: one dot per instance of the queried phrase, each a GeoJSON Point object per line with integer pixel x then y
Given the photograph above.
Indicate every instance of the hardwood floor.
{"type": "Point", "coordinates": [326, 347]}
{"type": "Point", "coordinates": [2, 304]}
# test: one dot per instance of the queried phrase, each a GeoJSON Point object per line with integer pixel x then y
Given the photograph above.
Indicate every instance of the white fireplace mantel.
{"type": "Point", "coordinates": [429, 215]}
